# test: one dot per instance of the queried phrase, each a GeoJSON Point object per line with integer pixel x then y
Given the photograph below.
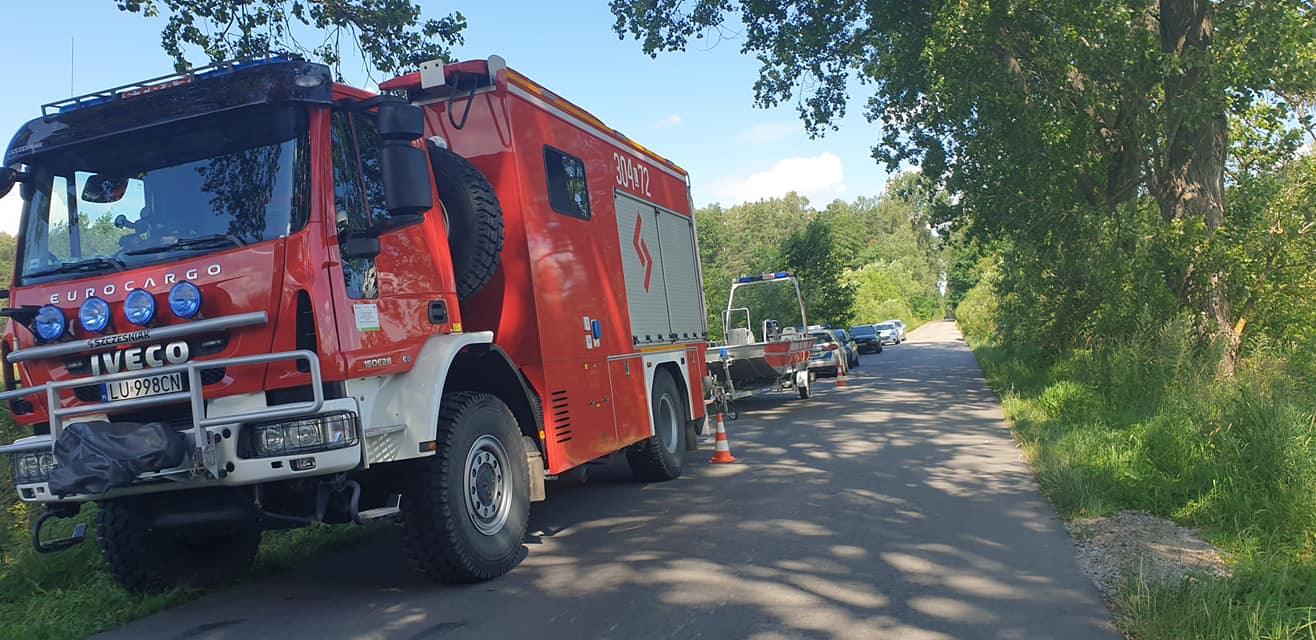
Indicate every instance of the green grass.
{"type": "Point", "coordinates": [71, 595]}
{"type": "Point", "coordinates": [1145, 424]}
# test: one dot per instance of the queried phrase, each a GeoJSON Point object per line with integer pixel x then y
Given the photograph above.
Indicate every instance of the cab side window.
{"type": "Point", "coordinates": [353, 192]}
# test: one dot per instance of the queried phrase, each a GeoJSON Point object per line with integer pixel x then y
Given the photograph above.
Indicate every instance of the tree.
{"type": "Point", "coordinates": [389, 34]}
{"type": "Point", "coordinates": [1044, 119]}
{"type": "Point", "coordinates": [811, 254]}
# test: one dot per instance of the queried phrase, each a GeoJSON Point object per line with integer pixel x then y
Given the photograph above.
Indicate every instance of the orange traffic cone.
{"type": "Point", "coordinates": [721, 448]}
{"type": "Point", "coordinates": [840, 377]}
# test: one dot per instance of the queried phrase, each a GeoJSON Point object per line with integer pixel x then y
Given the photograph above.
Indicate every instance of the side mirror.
{"type": "Point", "coordinates": [408, 190]}
{"type": "Point", "coordinates": [400, 121]}
{"type": "Point", "coordinates": [7, 179]}
{"type": "Point", "coordinates": [361, 247]}
{"type": "Point", "coordinates": [104, 189]}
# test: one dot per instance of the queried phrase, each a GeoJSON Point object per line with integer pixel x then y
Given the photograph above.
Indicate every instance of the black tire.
{"type": "Point", "coordinates": [662, 456]}
{"type": "Point", "coordinates": [439, 521]}
{"type": "Point", "coordinates": [146, 560]}
{"type": "Point", "coordinates": [475, 220]}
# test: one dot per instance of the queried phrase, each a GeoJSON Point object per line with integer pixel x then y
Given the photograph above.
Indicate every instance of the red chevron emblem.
{"type": "Point", "coordinates": [642, 251]}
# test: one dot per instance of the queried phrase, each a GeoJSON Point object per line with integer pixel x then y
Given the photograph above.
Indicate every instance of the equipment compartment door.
{"type": "Point", "coordinates": [646, 283]}
{"type": "Point", "coordinates": [685, 308]}
{"type": "Point", "coordinates": [630, 399]}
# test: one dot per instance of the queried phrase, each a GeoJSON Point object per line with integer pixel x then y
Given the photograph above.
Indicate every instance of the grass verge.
{"type": "Point", "coordinates": [1144, 424]}
{"type": "Point", "coordinates": [71, 595]}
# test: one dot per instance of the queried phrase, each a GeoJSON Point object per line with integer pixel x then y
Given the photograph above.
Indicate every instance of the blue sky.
{"type": "Point", "coordinates": [695, 108]}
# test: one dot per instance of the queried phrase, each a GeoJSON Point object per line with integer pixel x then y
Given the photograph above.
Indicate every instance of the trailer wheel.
{"type": "Point", "coordinates": [474, 218]}
{"type": "Point", "coordinates": [805, 390]}
{"type": "Point", "coordinates": [143, 559]}
{"type": "Point", "coordinates": [662, 455]}
{"type": "Point", "coordinates": [466, 519]}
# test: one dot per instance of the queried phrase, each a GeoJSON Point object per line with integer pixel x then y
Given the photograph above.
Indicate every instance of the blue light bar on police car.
{"type": "Point", "coordinates": [764, 277]}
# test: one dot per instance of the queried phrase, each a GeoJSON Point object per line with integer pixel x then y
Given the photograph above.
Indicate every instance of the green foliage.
{"type": "Point", "coordinates": [388, 33]}
{"type": "Point", "coordinates": [1108, 153]}
{"type": "Point", "coordinates": [812, 255]}
{"type": "Point", "coordinates": [1141, 421]}
{"type": "Point", "coordinates": [858, 262]}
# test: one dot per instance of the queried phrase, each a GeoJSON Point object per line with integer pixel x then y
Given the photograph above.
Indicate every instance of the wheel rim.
{"type": "Point", "coordinates": [667, 423]}
{"type": "Point", "coordinates": [488, 488]}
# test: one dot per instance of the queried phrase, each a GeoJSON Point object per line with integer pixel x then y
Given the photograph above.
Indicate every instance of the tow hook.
{"type": "Point", "coordinates": [59, 544]}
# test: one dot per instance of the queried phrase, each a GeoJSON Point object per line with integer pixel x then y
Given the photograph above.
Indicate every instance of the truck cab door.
{"type": "Point", "coordinates": [385, 306]}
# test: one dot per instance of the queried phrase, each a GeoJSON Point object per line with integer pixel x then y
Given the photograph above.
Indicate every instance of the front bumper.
{"type": "Point", "coordinates": [216, 457]}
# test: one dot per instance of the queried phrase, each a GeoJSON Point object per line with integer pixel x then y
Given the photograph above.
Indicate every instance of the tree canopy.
{"type": "Point", "coordinates": [390, 34]}
{"type": "Point", "coordinates": [1071, 131]}
{"type": "Point", "coordinates": [858, 262]}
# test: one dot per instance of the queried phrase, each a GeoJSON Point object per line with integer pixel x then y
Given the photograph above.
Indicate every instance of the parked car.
{"type": "Point", "coordinates": [828, 356]}
{"type": "Point", "coordinates": [887, 333]}
{"type": "Point", "coordinates": [848, 345]}
{"type": "Point", "coordinates": [865, 338]}
{"type": "Point", "coordinates": [900, 329]}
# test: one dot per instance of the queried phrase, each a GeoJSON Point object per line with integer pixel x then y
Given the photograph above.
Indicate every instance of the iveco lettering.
{"type": "Point", "coordinates": [248, 297]}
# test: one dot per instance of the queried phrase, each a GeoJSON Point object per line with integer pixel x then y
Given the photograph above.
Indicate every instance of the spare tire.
{"type": "Point", "coordinates": [474, 218]}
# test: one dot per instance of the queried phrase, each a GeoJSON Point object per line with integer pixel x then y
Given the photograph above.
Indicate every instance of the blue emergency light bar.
{"type": "Point", "coordinates": [764, 277]}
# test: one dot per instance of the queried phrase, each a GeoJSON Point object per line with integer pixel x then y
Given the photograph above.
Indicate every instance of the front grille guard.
{"type": "Point", "coordinates": [206, 452]}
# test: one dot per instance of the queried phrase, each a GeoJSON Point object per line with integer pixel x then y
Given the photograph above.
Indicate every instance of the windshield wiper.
{"type": "Point", "coordinates": [214, 241]}
{"type": "Point", "coordinates": [81, 266]}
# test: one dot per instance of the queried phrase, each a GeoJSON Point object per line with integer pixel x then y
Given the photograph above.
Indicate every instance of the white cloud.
{"type": "Point", "coordinates": [768, 132]}
{"type": "Point", "coordinates": [820, 179]}
{"type": "Point", "coordinates": [670, 121]}
{"type": "Point", "coordinates": [11, 207]}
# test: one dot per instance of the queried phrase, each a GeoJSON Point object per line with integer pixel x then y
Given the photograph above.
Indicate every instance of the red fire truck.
{"type": "Point", "coordinates": [248, 297]}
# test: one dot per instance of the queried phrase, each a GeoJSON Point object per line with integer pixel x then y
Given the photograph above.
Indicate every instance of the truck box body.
{"type": "Point", "coordinates": [631, 267]}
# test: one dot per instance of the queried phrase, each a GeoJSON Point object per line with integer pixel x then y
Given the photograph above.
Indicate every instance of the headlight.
{"type": "Point", "coordinates": [185, 299]}
{"type": "Point", "coordinates": [94, 315]}
{"type": "Point", "coordinates": [33, 466]}
{"type": "Point", "coordinates": [305, 435]}
{"type": "Point", "coordinates": [139, 307]}
{"type": "Point", "coordinates": [49, 323]}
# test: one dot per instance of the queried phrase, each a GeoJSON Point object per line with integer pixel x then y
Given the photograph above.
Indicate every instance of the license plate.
{"type": "Point", "coordinates": [140, 387]}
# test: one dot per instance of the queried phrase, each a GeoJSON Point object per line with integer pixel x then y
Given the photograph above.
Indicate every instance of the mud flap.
{"type": "Point", "coordinates": [94, 457]}
{"type": "Point", "coordinates": [535, 465]}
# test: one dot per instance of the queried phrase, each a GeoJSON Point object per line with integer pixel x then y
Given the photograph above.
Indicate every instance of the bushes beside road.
{"type": "Point", "coordinates": [1143, 421]}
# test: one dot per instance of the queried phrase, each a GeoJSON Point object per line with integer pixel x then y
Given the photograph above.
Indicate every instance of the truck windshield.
{"type": "Point", "coordinates": [177, 190]}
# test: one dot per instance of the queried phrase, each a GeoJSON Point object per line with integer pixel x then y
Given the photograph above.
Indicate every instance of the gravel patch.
{"type": "Point", "coordinates": [1151, 549]}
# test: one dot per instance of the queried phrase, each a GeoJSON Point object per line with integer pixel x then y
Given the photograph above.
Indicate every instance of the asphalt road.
{"type": "Point", "coordinates": [897, 507]}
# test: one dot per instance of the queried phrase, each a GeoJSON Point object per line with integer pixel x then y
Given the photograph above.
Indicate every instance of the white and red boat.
{"type": "Point", "coordinates": [776, 359]}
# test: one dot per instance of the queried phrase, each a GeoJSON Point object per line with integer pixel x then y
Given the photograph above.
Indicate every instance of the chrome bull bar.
{"type": "Point", "coordinates": [205, 453]}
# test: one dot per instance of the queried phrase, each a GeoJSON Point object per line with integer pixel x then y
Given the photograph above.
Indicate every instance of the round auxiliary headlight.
{"type": "Point", "coordinates": [185, 299]}
{"type": "Point", "coordinates": [49, 323]}
{"type": "Point", "coordinates": [94, 315]}
{"type": "Point", "coordinates": [139, 307]}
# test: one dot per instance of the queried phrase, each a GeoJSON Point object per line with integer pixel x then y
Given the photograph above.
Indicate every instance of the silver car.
{"type": "Point", "coordinates": [900, 329]}
{"type": "Point", "coordinates": [887, 333]}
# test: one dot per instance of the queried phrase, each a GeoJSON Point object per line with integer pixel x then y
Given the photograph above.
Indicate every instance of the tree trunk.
{"type": "Point", "coordinates": [1192, 180]}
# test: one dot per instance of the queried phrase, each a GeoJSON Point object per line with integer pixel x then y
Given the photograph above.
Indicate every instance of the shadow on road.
{"type": "Point", "coordinates": [896, 507]}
